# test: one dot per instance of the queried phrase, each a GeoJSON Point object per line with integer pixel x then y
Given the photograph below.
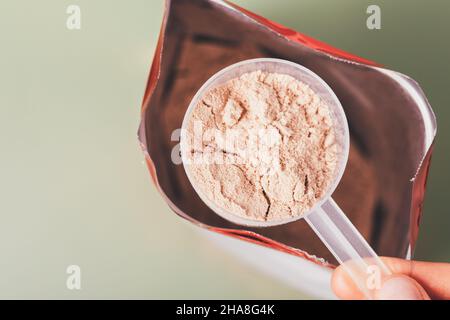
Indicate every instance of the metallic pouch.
{"type": "Point", "coordinates": [392, 129]}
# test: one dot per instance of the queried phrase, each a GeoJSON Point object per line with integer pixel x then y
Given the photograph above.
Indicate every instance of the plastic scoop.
{"type": "Point", "coordinates": [325, 217]}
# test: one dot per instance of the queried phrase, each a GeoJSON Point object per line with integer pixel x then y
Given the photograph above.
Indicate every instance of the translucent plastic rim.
{"type": "Point", "coordinates": [300, 73]}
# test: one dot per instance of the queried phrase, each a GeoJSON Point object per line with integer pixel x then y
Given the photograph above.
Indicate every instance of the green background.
{"type": "Point", "coordinates": [74, 186]}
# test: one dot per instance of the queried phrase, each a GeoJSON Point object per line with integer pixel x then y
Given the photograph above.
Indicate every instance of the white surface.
{"type": "Point", "coordinates": [300, 274]}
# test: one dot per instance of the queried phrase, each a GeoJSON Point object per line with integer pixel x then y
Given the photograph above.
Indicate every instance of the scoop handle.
{"type": "Point", "coordinates": [348, 246]}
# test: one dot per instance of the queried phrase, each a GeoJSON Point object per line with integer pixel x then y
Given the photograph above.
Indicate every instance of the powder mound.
{"type": "Point", "coordinates": [261, 146]}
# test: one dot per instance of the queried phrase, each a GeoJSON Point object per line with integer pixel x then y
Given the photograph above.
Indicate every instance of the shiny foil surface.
{"type": "Point", "coordinates": [392, 126]}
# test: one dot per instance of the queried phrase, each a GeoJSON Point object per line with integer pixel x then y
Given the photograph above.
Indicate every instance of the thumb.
{"type": "Point", "coordinates": [401, 287]}
{"type": "Point", "coordinates": [433, 276]}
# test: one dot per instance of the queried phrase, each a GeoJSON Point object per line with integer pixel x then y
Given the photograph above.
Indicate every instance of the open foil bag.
{"type": "Point", "coordinates": [392, 128]}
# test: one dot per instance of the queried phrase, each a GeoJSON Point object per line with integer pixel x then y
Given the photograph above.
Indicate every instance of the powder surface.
{"type": "Point", "coordinates": [261, 146]}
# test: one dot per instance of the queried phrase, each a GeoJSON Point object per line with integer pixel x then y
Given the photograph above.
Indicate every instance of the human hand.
{"type": "Point", "coordinates": [411, 280]}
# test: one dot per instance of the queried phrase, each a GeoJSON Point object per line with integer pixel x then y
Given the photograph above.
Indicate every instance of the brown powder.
{"type": "Point", "coordinates": [261, 146]}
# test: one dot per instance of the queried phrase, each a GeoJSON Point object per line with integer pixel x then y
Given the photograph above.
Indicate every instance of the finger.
{"type": "Point", "coordinates": [434, 278]}
{"type": "Point", "coordinates": [344, 287]}
{"type": "Point", "coordinates": [401, 287]}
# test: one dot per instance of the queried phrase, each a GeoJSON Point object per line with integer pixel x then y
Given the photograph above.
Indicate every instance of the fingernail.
{"type": "Point", "coordinates": [399, 288]}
